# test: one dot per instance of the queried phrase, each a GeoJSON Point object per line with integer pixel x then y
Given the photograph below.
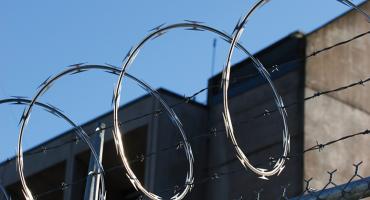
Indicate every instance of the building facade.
{"type": "Point", "coordinates": [154, 146]}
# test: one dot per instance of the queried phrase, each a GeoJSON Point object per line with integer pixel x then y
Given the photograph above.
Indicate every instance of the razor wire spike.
{"type": "Point", "coordinates": [215, 176]}
{"type": "Point", "coordinates": [128, 54]}
{"type": "Point", "coordinates": [241, 160]}
{"type": "Point", "coordinates": [92, 173]}
{"type": "Point", "coordinates": [175, 196]}
{"type": "Point", "coordinates": [180, 145]}
{"type": "Point", "coordinates": [77, 64]}
{"type": "Point", "coordinates": [54, 108]}
{"type": "Point", "coordinates": [175, 188]}
{"type": "Point", "coordinates": [258, 193]}
{"type": "Point", "coordinates": [135, 53]}
{"type": "Point", "coordinates": [140, 157]}
{"type": "Point", "coordinates": [112, 66]}
{"type": "Point", "coordinates": [78, 71]}
{"type": "Point", "coordinates": [43, 83]}
{"type": "Point", "coordinates": [263, 178]}
{"type": "Point", "coordinates": [157, 112]}
{"type": "Point", "coordinates": [23, 117]}
{"type": "Point", "coordinates": [77, 139]}
{"type": "Point", "coordinates": [193, 21]}
{"type": "Point", "coordinates": [19, 97]}
{"type": "Point", "coordinates": [157, 27]}
{"type": "Point", "coordinates": [176, 118]}
{"type": "Point", "coordinates": [132, 180]}
{"type": "Point", "coordinates": [287, 142]}
{"type": "Point", "coordinates": [280, 170]}
{"type": "Point", "coordinates": [21, 103]}
{"type": "Point", "coordinates": [53, 112]}
{"type": "Point", "coordinates": [194, 28]}
{"type": "Point", "coordinates": [272, 160]}
{"type": "Point", "coordinates": [213, 131]}
{"type": "Point", "coordinates": [319, 146]}
{"type": "Point", "coordinates": [237, 26]}
{"type": "Point", "coordinates": [283, 195]}
{"type": "Point", "coordinates": [266, 112]}
{"type": "Point", "coordinates": [275, 68]}
{"type": "Point", "coordinates": [239, 198]}
{"type": "Point", "coordinates": [115, 96]}
{"type": "Point", "coordinates": [190, 183]}
{"type": "Point", "coordinates": [44, 149]}
{"type": "Point", "coordinates": [317, 94]}
{"type": "Point", "coordinates": [160, 33]}
{"type": "Point", "coordinates": [64, 185]}
{"type": "Point", "coordinates": [114, 70]}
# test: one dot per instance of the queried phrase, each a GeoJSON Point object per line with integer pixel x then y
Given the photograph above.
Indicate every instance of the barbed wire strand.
{"type": "Point", "coordinates": [189, 99]}
{"type": "Point", "coordinates": [213, 176]}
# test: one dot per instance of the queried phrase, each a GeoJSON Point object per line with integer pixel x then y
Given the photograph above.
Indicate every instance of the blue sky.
{"type": "Point", "coordinates": [41, 38]}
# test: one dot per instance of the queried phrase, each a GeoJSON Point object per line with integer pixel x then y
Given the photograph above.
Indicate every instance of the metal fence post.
{"type": "Point", "coordinates": [93, 181]}
{"type": "Point", "coordinates": [3, 190]}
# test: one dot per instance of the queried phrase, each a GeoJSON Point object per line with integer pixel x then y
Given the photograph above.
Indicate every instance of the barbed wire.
{"type": "Point", "coordinates": [275, 67]}
{"type": "Point", "coordinates": [187, 99]}
{"type": "Point", "coordinates": [214, 176]}
{"type": "Point", "coordinates": [212, 132]}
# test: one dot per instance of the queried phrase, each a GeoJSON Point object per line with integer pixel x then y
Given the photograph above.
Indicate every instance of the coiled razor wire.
{"type": "Point", "coordinates": [238, 30]}
{"type": "Point", "coordinates": [279, 166]}
{"type": "Point", "coordinates": [55, 111]}
{"type": "Point", "coordinates": [46, 85]}
{"type": "Point", "coordinates": [158, 31]}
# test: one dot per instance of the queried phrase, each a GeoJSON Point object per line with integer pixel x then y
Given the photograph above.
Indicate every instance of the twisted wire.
{"type": "Point", "coordinates": [279, 166]}
{"type": "Point", "coordinates": [186, 145]}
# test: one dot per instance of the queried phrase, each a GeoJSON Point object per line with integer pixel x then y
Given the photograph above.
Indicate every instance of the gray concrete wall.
{"type": "Point", "coordinates": [338, 114]}
{"type": "Point", "coordinates": [323, 119]}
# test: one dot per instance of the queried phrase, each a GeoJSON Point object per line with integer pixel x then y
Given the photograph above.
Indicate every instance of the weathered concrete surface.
{"type": "Point", "coordinates": [341, 65]}
{"type": "Point", "coordinates": [341, 113]}
{"type": "Point", "coordinates": [328, 119]}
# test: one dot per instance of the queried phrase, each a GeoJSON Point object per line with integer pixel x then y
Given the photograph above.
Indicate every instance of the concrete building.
{"type": "Point", "coordinates": [340, 113]}
{"type": "Point", "coordinates": [218, 173]}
